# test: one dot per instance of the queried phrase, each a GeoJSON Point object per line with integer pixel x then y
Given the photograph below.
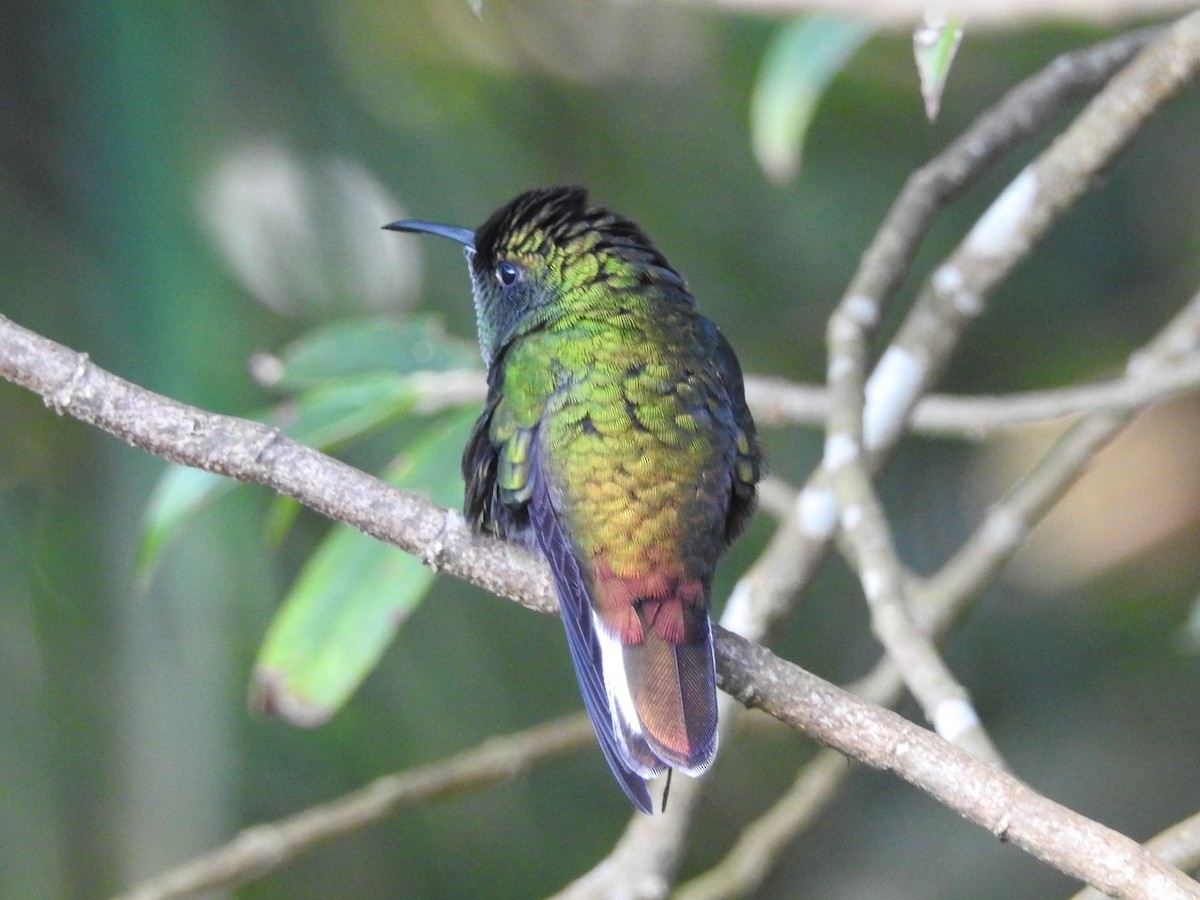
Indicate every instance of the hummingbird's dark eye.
{"type": "Point", "coordinates": [508, 273]}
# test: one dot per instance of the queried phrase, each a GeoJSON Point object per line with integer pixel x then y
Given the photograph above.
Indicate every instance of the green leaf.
{"type": "Point", "coordinates": [352, 378]}
{"type": "Point", "coordinates": [339, 411]}
{"type": "Point", "coordinates": [179, 495]}
{"type": "Point", "coordinates": [281, 513]}
{"type": "Point", "coordinates": [370, 346]}
{"type": "Point", "coordinates": [352, 596]}
{"type": "Point", "coordinates": [322, 418]}
{"type": "Point", "coordinates": [934, 45]}
{"type": "Point", "coordinates": [799, 64]}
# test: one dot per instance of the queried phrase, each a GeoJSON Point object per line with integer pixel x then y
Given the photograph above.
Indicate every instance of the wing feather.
{"type": "Point", "coordinates": [582, 640]}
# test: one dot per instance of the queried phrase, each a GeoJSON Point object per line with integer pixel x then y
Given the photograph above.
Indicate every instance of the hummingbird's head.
{"type": "Point", "coordinates": [547, 254]}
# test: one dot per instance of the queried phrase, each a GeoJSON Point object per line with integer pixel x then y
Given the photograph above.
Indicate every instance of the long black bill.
{"type": "Point", "coordinates": [464, 236]}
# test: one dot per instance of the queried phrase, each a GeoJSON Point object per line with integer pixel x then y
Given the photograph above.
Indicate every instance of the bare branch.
{"type": "Point", "coordinates": [1178, 846]}
{"type": "Point", "coordinates": [1010, 519]}
{"type": "Point", "coordinates": [267, 847]}
{"type": "Point", "coordinates": [869, 415]}
{"type": "Point", "coordinates": [864, 523]}
{"type": "Point", "coordinates": [777, 401]}
{"type": "Point", "coordinates": [906, 14]}
{"type": "Point", "coordinates": [753, 675]}
{"type": "Point", "coordinates": [747, 864]}
{"type": "Point", "coordinates": [995, 800]}
{"type": "Point", "coordinates": [251, 452]}
{"type": "Point", "coordinates": [1015, 222]}
{"type": "Point", "coordinates": [941, 600]}
{"type": "Point", "coordinates": [766, 592]}
{"type": "Point", "coordinates": [642, 865]}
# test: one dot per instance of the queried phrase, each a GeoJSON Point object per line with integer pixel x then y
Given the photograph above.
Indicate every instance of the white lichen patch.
{"type": "Point", "coordinates": [852, 517]}
{"type": "Point", "coordinates": [840, 448]}
{"type": "Point", "coordinates": [953, 718]}
{"type": "Point", "coordinates": [996, 232]}
{"type": "Point", "coordinates": [891, 390]}
{"type": "Point", "coordinates": [839, 367]}
{"type": "Point", "coordinates": [816, 509]}
{"type": "Point", "coordinates": [862, 309]}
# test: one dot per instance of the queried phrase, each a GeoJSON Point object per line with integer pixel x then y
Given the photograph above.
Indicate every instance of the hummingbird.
{"type": "Point", "coordinates": [616, 441]}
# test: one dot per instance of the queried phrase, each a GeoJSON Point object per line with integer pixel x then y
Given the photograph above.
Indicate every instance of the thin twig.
{"type": "Point", "coordinates": [1008, 521]}
{"type": "Point", "coordinates": [766, 592]}
{"type": "Point", "coordinates": [1006, 807]}
{"type": "Point", "coordinates": [441, 540]}
{"type": "Point", "coordinates": [871, 414]}
{"type": "Point", "coordinates": [269, 846]}
{"type": "Point", "coordinates": [904, 15]}
{"type": "Point", "coordinates": [642, 864]}
{"type": "Point", "coordinates": [1019, 218]}
{"type": "Point", "coordinates": [943, 599]}
{"type": "Point", "coordinates": [763, 841]}
{"type": "Point", "coordinates": [73, 385]}
{"type": "Point", "coordinates": [777, 402]}
{"type": "Point", "coordinates": [865, 526]}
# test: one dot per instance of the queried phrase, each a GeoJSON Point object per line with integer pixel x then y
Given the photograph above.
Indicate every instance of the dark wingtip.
{"type": "Point", "coordinates": [635, 789]}
{"type": "Point", "coordinates": [464, 236]}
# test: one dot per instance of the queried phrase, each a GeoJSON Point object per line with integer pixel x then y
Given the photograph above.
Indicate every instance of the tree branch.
{"type": "Point", "coordinates": [71, 384]}
{"type": "Point", "coordinates": [939, 601]}
{"type": "Point", "coordinates": [778, 402]}
{"type": "Point", "coordinates": [994, 800]}
{"type": "Point", "coordinates": [1178, 846]}
{"type": "Point", "coordinates": [264, 848]}
{"type": "Point", "coordinates": [249, 451]}
{"type": "Point", "coordinates": [870, 415]}
{"type": "Point", "coordinates": [766, 592]}
{"type": "Point", "coordinates": [905, 14]}
{"type": "Point", "coordinates": [746, 866]}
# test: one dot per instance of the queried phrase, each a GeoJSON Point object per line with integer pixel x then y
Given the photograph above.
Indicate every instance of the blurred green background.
{"type": "Point", "coordinates": [183, 187]}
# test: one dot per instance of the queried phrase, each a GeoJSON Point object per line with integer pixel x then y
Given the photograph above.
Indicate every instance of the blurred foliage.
{"type": "Point", "coordinates": [354, 592]}
{"type": "Point", "coordinates": [187, 188]}
{"type": "Point", "coordinates": [797, 67]}
{"type": "Point", "coordinates": [352, 595]}
{"type": "Point", "coordinates": [935, 45]}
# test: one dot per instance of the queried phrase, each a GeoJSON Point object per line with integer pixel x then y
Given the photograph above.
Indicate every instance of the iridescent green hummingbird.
{"type": "Point", "coordinates": [616, 441]}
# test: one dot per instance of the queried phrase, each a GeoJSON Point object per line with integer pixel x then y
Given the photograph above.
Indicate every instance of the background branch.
{"type": "Point", "coordinates": [766, 592]}
{"type": "Point", "coordinates": [905, 14]}
{"type": "Point", "coordinates": [889, 398]}
{"type": "Point", "coordinates": [251, 452]}
{"type": "Point", "coordinates": [779, 402]}
{"type": "Point", "coordinates": [763, 594]}
{"type": "Point", "coordinates": [1179, 846]}
{"type": "Point", "coordinates": [264, 848]}
{"type": "Point", "coordinates": [939, 601]}
{"type": "Point", "coordinates": [72, 385]}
